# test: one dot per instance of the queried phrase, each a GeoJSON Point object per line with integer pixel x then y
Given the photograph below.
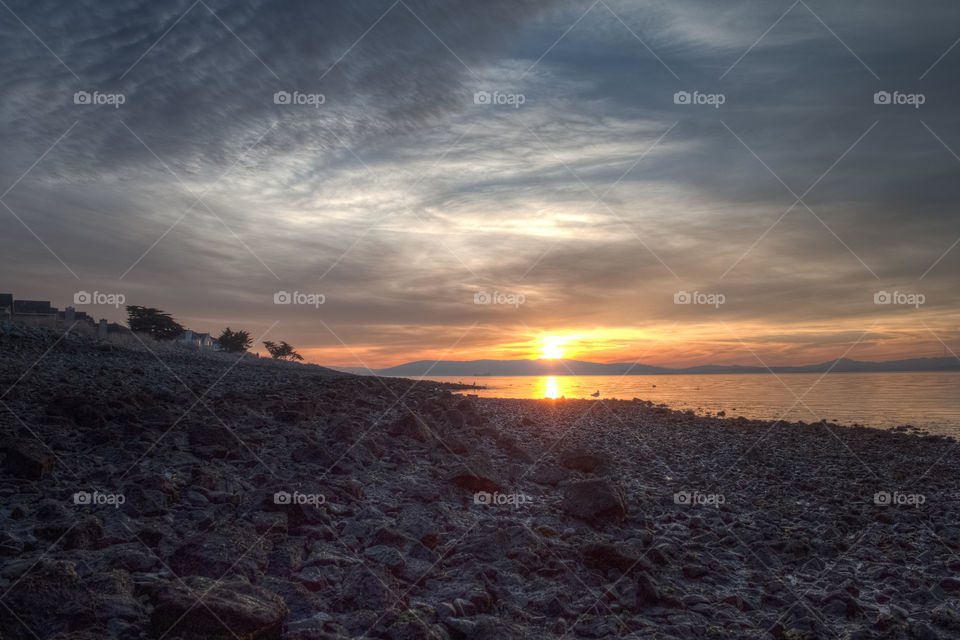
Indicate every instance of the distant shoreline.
{"type": "Point", "coordinates": [549, 367]}
{"type": "Point", "coordinates": [675, 373]}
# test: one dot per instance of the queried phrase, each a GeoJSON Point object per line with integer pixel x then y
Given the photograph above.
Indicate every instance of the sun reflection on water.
{"type": "Point", "coordinates": [554, 387]}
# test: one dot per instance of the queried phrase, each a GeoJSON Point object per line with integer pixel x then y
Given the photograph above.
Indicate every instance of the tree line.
{"type": "Point", "coordinates": [161, 326]}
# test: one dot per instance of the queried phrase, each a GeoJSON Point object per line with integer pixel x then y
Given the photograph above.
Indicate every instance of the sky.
{"type": "Point", "coordinates": [674, 183]}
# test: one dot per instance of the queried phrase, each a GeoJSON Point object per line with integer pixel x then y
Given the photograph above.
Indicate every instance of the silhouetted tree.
{"type": "Point", "coordinates": [282, 351]}
{"type": "Point", "coordinates": [234, 341]}
{"type": "Point", "coordinates": [155, 322]}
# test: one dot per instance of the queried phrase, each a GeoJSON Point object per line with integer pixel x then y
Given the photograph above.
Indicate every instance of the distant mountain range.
{"type": "Point", "coordinates": [482, 368]}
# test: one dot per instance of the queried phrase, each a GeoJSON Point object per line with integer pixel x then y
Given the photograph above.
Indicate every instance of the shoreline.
{"type": "Point", "coordinates": [306, 503]}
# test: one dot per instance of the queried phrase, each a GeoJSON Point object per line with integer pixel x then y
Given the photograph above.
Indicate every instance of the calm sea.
{"type": "Point", "coordinates": [927, 400]}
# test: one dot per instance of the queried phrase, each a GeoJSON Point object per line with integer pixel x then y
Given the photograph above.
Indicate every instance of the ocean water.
{"type": "Point", "coordinates": [927, 400]}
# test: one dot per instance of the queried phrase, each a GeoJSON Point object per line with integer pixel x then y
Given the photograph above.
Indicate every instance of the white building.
{"type": "Point", "coordinates": [202, 341]}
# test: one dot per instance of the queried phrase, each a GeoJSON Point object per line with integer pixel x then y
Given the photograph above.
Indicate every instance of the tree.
{"type": "Point", "coordinates": [234, 341]}
{"type": "Point", "coordinates": [282, 351]}
{"type": "Point", "coordinates": [155, 322]}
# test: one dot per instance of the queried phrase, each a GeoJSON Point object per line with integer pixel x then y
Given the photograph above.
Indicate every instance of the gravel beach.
{"type": "Point", "coordinates": [154, 493]}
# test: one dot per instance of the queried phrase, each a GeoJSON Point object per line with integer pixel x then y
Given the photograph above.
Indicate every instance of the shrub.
{"type": "Point", "coordinates": [282, 351]}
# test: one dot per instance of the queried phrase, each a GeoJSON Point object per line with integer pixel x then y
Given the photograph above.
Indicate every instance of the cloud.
{"type": "Point", "coordinates": [398, 197]}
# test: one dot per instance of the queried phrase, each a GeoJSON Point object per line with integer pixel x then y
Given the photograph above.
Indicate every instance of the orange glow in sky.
{"type": "Point", "coordinates": [671, 345]}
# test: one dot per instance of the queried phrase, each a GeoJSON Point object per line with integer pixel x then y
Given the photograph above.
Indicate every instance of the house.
{"type": "Point", "coordinates": [70, 316]}
{"type": "Point", "coordinates": [200, 340]}
{"type": "Point", "coordinates": [39, 313]}
{"type": "Point", "coordinates": [35, 312]}
{"type": "Point", "coordinates": [6, 305]}
{"type": "Point", "coordinates": [33, 308]}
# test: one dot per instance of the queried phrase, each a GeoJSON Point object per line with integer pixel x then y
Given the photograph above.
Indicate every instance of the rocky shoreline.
{"type": "Point", "coordinates": [156, 494]}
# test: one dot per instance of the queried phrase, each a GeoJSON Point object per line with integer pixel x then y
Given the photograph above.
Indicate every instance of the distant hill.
{"type": "Point", "coordinates": [481, 368]}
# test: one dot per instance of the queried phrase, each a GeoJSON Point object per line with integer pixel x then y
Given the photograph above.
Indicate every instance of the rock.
{"type": "Point", "coordinates": [596, 501]}
{"type": "Point", "coordinates": [314, 578]}
{"type": "Point", "coordinates": [580, 459]}
{"type": "Point", "coordinates": [140, 501]}
{"type": "Point", "coordinates": [920, 631]}
{"type": "Point", "coordinates": [236, 549]}
{"type": "Point", "coordinates": [603, 557]}
{"type": "Point", "coordinates": [647, 594]}
{"type": "Point", "coordinates": [411, 425]}
{"type": "Point", "coordinates": [464, 608]}
{"type": "Point", "coordinates": [162, 392]}
{"type": "Point", "coordinates": [950, 584]}
{"type": "Point", "coordinates": [113, 598]}
{"type": "Point", "coordinates": [229, 609]}
{"type": "Point", "coordinates": [362, 589]}
{"type": "Point", "coordinates": [48, 598]}
{"type": "Point", "coordinates": [695, 571]}
{"type": "Point", "coordinates": [455, 419]}
{"type": "Point", "coordinates": [10, 544]}
{"type": "Point", "coordinates": [391, 537]}
{"type": "Point", "coordinates": [841, 603]}
{"type": "Point", "coordinates": [414, 626]}
{"type": "Point", "coordinates": [485, 628]}
{"type": "Point", "coordinates": [386, 556]}
{"type": "Point", "coordinates": [550, 475]}
{"type": "Point", "coordinates": [474, 475]}
{"type": "Point", "coordinates": [81, 411]}
{"type": "Point", "coordinates": [738, 602]}
{"type": "Point", "coordinates": [314, 452]}
{"type": "Point", "coordinates": [292, 411]}
{"type": "Point", "coordinates": [28, 459]}
{"type": "Point", "coordinates": [466, 405]}
{"type": "Point", "coordinates": [512, 447]}
{"type": "Point", "coordinates": [287, 556]}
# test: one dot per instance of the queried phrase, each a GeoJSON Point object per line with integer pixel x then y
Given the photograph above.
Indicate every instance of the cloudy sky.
{"type": "Point", "coordinates": [500, 179]}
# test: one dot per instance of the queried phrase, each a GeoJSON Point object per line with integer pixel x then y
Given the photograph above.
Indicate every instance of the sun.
{"type": "Point", "coordinates": [552, 348]}
{"type": "Point", "coordinates": [552, 351]}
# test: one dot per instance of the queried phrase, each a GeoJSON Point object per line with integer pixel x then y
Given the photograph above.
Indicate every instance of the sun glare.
{"type": "Point", "coordinates": [552, 347]}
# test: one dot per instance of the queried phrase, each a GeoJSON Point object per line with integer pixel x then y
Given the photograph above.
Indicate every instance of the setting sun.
{"type": "Point", "coordinates": [553, 347]}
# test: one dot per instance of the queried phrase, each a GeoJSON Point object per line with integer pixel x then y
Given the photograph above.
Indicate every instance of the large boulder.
{"type": "Point", "coordinates": [581, 459]}
{"type": "Point", "coordinates": [28, 459]}
{"type": "Point", "coordinates": [201, 608]}
{"type": "Point", "coordinates": [475, 475]}
{"type": "Point", "coordinates": [293, 411]}
{"type": "Point", "coordinates": [236, 548]}
{"type": "Point", "coordinates": [596, 501]}
{"type": "Point", "coordinates": [603, 556]}
{"type": "Point", "coordinates": [50, 598]}
{"type": "Point", "coordinates": [413, 426]}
